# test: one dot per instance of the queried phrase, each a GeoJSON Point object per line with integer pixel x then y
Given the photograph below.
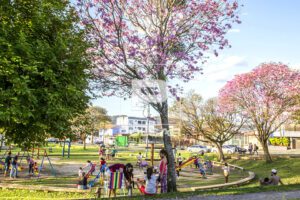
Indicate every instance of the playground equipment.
{"type": "Point", "coordinates": [122, 141]}
{"type": "Point", "coordinates": [186, 163]}
{"type": "Point", "coordinates": [68, 142]}
{"type": "Point", "coordinates": [45, 155]}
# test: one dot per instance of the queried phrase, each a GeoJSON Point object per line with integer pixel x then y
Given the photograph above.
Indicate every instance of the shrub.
{"type": "Point", "coordinates": [283, 141]}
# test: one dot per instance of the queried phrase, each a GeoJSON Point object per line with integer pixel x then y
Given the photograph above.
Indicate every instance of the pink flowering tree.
{"type": "Point", "coordinates": [153, 40]}
{"type": "Point", "coordinates": [266, 96]}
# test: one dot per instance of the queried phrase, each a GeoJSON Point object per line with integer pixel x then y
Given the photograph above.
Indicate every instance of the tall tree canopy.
{"type": "Point", "coordinates": [267, 96]}
{"type": "Point", "coordinates": [205, 121]}
{"type": "Point", "coordinates": [155, 40]}
{"type": "Point", "coordinates": [43, 69]}
{"type": "Point", "coordinates": [89, 122]}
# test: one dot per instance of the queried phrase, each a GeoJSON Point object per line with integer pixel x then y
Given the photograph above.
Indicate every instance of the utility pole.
{"type": "Point", "coordinates": [147, 140]}
{"type": "Point", "coordinates": [180, 116]}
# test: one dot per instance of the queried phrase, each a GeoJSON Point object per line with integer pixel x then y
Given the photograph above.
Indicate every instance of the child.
{"type": "Point", "coordinates": [196, 163]}
{"type": "Point", "coordinates": [31, 164]}
{"type": "Point", "coordinates": [179, 159]}
{"type": "Point", "coordinates": [202, 171]}
{"type": "Point", "coordinates": [113, 153]}
{"type": "Point", "coordinates": [151, 183]}
{"type": "Point", "coordinates": [80, 172]}
{"type": "Point", "coordinates": [91, 167]}
{"type": "Point", "coordinates": [226, 170]}
{"type": "Point", "coordinates": [139, 159]}
{"type": "Point", "coordinates": [83, 182]}
{"type": "Point", "coordinates": [102, 166]}
{"type": "Point", "coordinates": [101, 151]}
{"type": "Point", "coordinates": [265, 181]}
{"type": "Point", "coordinates": [7, 163]}
{"type": "Point", "coordinates": [209, 166]}
{"type": "Point", "coordinates": [35, 167]}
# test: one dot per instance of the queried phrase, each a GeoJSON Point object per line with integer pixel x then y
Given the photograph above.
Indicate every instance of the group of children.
{"type": "Point", "coordinates": [205, 168]}
{"type": "Point", "coordinates": [12, 165]}
{"type": "Point", "coordinates": [147, 186]}
{"type": "Point", "coordinates": [103, 152]}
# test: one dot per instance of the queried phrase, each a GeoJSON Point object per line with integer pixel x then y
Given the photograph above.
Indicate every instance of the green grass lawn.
{"type": "Point", "coordinates": [288, 170]}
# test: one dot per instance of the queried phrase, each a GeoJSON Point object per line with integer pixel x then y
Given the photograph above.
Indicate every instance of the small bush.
{"type": "Point", "coordinates": [283, 141]}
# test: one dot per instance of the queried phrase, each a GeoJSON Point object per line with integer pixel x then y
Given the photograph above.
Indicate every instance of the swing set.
{"type": "Point", "coordinates": [40, 152]}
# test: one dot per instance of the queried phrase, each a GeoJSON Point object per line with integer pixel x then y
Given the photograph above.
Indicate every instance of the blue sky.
{"type": "Point", "coordinates": [270, 31]}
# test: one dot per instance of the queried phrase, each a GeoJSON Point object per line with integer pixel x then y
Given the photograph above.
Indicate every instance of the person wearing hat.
{"type": "Point", "coordinates": [274, 179]}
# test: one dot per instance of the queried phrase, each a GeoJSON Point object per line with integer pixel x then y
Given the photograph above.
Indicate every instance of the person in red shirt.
{"type": "Point", "coordinates": [102, 166]}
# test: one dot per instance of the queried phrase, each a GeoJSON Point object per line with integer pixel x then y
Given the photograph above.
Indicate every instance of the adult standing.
{"type": "Point", "coordinates": [250, 148]}
{"type": "Point", "coordinates": [128, 173]}
{"type": "Point", "coordinates": [14, 168]}
{"type": "Point", "coordinates": [7, 163]}
{"type": "Point", "coordinates": [255, 148]}
{"type": "Point", "coordinates": [30, 165]}
{"type": "Point", "coordinates": [163, 166]}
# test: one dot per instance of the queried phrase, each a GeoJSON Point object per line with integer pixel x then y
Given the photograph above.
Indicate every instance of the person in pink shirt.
{"type": "Point", "coordinates": [163, 166]}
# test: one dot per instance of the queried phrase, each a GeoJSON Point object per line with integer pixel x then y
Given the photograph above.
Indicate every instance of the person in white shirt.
{"type": "Point", "coordinates": [151, 183]}
{"type": "Point", "coordinates": [226, 170]}
{"type": "Point", "coordinates": [80, 172]}
{"type": "Point", "coordinates": [139, 159]}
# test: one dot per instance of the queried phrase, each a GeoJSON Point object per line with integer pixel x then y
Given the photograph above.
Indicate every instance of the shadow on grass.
{"type": "Point", "coordinates": [228, 191]}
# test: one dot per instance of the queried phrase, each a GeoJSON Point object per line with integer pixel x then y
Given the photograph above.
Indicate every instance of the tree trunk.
{"type": "Point", "coordinates": [171, 176]}
{"type": "Point", "coordinates": [265, 147]}
{"type": "Point", "coordinates": [92, 138]}
{"type": "Point", "coordinates": [220, 153]}
{"type": "Point", "coordinates": [84, 143]}
{"type": "Point", "coordinates": [2, 139]}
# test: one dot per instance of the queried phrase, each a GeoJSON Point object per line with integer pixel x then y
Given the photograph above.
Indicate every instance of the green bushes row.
{"type": "Point", "coordinates": [282, 141]}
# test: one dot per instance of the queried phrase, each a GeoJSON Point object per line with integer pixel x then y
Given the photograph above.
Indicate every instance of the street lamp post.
{"type": "Point", "coordinates": [147, 140]}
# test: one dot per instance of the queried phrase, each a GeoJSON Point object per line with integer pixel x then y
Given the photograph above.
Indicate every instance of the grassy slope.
{"type": "Point", "coordinates": [288, 169]}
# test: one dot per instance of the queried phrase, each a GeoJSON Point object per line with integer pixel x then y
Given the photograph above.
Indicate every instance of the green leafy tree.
{"type": "Point", "coordinates": [89, 122]}
{"type": "Point", "coordinates": [43, 70]}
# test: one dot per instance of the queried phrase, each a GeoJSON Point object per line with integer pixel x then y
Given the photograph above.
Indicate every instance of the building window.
{"type": "Point", "coordinates": [143, 122]}
{"type": "Point", "coordinates": [139, 122]}
{"type": "Point", "coordinates": [144, 129]}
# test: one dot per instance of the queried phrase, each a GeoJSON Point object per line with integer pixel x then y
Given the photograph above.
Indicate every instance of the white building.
{"type": "Point", "coordinates": [129, 125]}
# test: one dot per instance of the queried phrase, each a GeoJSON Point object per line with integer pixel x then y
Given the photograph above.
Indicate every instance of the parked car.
{"type": "Point", "coordinates": [198, 149]}
{"type": "Point", "coordinates": [238, 149]}
{"type": "Point", "coordinates": [53, 140]}
{"type": "Point", "coordinates": [226, 149]}
{"type": "Point", "coordinates": [99, 142]}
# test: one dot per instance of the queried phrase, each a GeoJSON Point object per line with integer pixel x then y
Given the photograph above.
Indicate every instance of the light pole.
{"type": "Point", "coordinates": [147, 140]}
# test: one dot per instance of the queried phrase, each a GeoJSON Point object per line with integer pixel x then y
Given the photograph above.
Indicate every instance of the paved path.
{"type": "Point", "coordinates": [251, 196]}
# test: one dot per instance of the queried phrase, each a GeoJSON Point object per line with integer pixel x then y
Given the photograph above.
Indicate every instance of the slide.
{"type": "Point", "coordinates": [186, 163]}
